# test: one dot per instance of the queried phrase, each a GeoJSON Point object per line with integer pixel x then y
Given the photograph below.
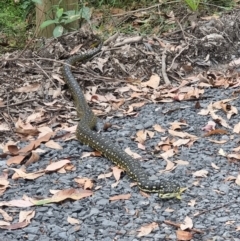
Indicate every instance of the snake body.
{"type": "Point", "coordinates": [86, 135]}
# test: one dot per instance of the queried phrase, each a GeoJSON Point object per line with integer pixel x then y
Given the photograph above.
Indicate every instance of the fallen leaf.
{"type": "Point", "coordinates": [28, 88]}
{"type": "Point", "coordinates": [181, 142]}
{"type": "Point", "coordinates": [153, 82]}
{"type": "Point", "coordinates": [215, 166]}
{"type": "Point", "coordinates": [5, 215]}
{"type": "Point", "coordinates": [26, 216]}
{"type": "Point", "coordinates": [184, 235]}
{"type": "Point", "coordinates": [57, 165]}
{"type": "Point", "coordinates": [117, 173]}
{"type": "Point", "coordinates": [147, 229]}
{"type": "Point", "coordinates": [236, 128]}
{"type": "Point", "coordinates": [120, 197]}
{"type": "Point", "coordinates": [15, 226]}
{"type": "Point", "coordinates": [158, 128]}
{"type": "Point", "coordinates": [54, 145]}
{"type": "Point", "coordinates": [181, 162]}
{"type": "Point", "coordinates": [188, 224]}
{"type": "Point", "coordinates": [234, 155]}
{"type": "Point", "coordinates": [85, 182]}
{"type": "Point", "coordinates": [237, 181]}
{"type": "Point", "coordinates": [34, 158]}
{"type": "Point", "coordinates": [105, 175]}
{"type": "Point", "coordinates": [132, 154]}
{"type": "Point", "coordinates": [73, 220]}
{"type": "Point", "coordinates": [15, 160]}
{"type": "Point", "coordinates": [200, 173]}
{"type": "Point", "coordinates": [29, 176]}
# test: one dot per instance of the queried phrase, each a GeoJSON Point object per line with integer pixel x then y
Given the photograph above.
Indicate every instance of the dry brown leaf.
{"type": "Point", "coordinates": [70, 193]}
{"type": "Point", "coordinates": [73, 220]}
{"type": "Point", "coordinates": [188, 224]}
{"type": "Point", "coordinates": [181, 142]}
{"type": "Point", "coordinates": [85, 182]}
{"type": "Point", "coordinates": [147, 229]}
{"type": "Point", "coordinates": [141, 136]}
{"type": "Point", "coordinates": [184, 235]}
{"type": "Point", "coordinates": [5, 215]}
{"type": "Point", "coordinates": [117, 173]}
{"type": "Point", "coordinates": [236, 149]}
{"type": "Point", "coordinates": [17, 203]}
{"type": "Point", "coordinates": [181, 162]}
{"type": "Point", "coordinates": [34, 117]}
{"type": "Point", "coordinates": [120, 197]}
{"type": "Point", "coordinates": [153, 82]}
{"type": "Point", "coordinates": [170, 166]}
{"type": "Point", "coordinates": [237, 181]}
{"type": "Point", "coordinates": [229, 178]}
{"type": "Point", "coordinates": [28, 88]}
{"type": "Point", "coordinates": [181, 134]}
{"type": "Point", "coordinates": [158, 128]}
{"type": "Point", "coordinates": [218, 142]}
{"type": "Point", "coordinates": [4, 127]}
{"type": "Point", "coordinates": [26, 216]}
{"type": "Point", "coordinates": [34, 158]}
{"type": "Point", "coordinates": [15, 226]}
{"type": "Point", "coordinates": [215, 166]}
{"type": "Point", "coordinates": [177, 125]}
{"type": "Point", "coordinates": [234, 155]}
{"type": "Point", "coordinates": [132, 154]}
{"type": "Point", "coordinates": [13, 149]}
{"type": "Point", "coordinates": [3, 223]}
{"type": "Point", "coordinates": [29, 176]}
{"type": "Point", "coordinates": [200, 173]}
{"type": "Point", "coordinates": [167, 154]}
{"type": "Point", "coordinates": [105, 175]}
{"type": "Point", "coordinates": [236, 128]}
{"type": "Point", "coordinates": [15, 160]}
{"type": "Point", "coordinates": [219, 119]}
{"type": "Point", "coordinates": [216, 132]}
{"type": "Point", "coordinates": [57, 165]}
{"type": "Point", "coordinates": [54, 145]}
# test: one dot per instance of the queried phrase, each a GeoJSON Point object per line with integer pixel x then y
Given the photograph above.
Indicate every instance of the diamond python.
{"type": "Point", "coordinates": [85, 134]}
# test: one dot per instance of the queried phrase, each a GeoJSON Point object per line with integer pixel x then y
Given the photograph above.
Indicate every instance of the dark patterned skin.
{"type": "Point", "coordinates": [85, 134]}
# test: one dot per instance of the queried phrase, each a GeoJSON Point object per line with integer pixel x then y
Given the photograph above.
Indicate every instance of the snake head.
{"type": "Point", "coordinates": [172, 194]}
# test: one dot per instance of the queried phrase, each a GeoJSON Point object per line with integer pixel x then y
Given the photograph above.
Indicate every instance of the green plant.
{"type": "Point", "coordinates": [63, 18]}
{"type": "Point", "coordinates": [192, 4]}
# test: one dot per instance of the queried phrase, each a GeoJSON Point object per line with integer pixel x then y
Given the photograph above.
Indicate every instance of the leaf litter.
{"type": "Point", "coordinates": [127, 103]}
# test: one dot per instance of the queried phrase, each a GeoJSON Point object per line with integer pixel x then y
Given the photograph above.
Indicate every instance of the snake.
{"type": "Point", "coordinates": [86, 135]}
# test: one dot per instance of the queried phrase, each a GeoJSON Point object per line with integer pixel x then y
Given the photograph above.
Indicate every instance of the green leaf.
{"type": "Point", "coordinates": [59, 12]}
{"type": "Point", "coordinates": [48, 22]}
{"type": "Point", "coordinates": [37, 1]}
{"type": "Point", "coordinates": [58, 31]}
{"type": "Point", "coordinates": [85, 13]}
{"type": "Point", "coordinates": [72, 18]}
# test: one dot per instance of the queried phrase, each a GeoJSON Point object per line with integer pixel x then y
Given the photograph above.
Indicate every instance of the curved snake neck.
{"type": "Point", "coordinates": [85, 134]}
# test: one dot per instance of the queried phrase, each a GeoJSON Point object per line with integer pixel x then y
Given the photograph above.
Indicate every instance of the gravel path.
{"type": "Point", "coordinates": [216, 201]}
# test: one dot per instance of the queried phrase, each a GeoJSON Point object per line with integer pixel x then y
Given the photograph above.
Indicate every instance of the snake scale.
{"type": "Point", "coordinates": [85, 134]}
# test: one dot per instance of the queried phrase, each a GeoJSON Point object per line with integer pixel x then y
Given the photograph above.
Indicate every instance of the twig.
{"type": "Point", "coordinates": [19, 103]}
{"type": "Point", "coordinates": [211, 209]}
{"type": "Point", "coordinates": [136, 39]}
{"type": "Point", "coordinates": [177, 56]}
{"type": "Point", "coordinates": [164, 74]}
{"type": "Point", "coordinates": [141, 9]}
{"type": "Point", "coordinates": [177, 225]}
{"type": "Point", "coordinates": [111, 39]}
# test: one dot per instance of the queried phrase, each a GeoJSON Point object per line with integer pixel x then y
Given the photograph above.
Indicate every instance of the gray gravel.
{"type": "Point", "coordinates": [101, 219]}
